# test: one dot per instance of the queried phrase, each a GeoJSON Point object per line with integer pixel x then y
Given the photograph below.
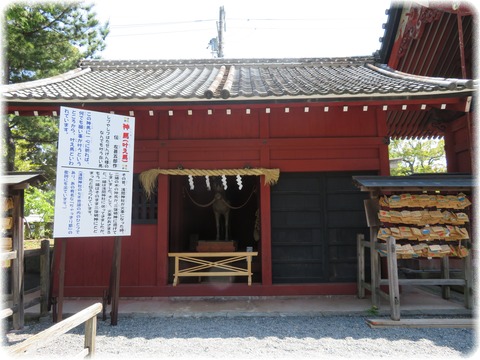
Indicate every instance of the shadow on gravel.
{"type": "Point", "coordinates": [257, 327]}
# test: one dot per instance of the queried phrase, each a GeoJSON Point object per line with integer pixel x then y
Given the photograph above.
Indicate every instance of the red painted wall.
{"type": "Point", "coordinates": [293, 140]}
{"type": "Point", "coordinates": [458, 145]}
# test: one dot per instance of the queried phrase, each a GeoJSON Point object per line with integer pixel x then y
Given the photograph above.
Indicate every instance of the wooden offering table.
{"type": "Point", "coordinates": [213, 264]}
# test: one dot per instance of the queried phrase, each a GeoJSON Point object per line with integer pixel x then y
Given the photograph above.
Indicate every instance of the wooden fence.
{"type": "Point", "coordinates": [87, 316]}
{"type": "Point", "coordinates": [17, 297]}
{"type": "Point", "coordinates": [393, 282]}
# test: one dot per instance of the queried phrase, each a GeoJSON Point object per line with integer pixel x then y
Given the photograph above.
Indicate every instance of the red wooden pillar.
{"type": "Point", "coordinates": [163, 191]}
{"type": "Point", "coordinates": [162, 230]}
{"type": "Point", "coordinates": [266, 235]}
{"type": "Point", "coordinates": [265, 212]}
{"type": "Point", "coordinates": [450, 154]}
{"type": "Point", "coordinates": [163, 220]}
{"type": "Point", "coordinates": [382, 132]}
{"type": "Point", "coordinates": [458, 147]}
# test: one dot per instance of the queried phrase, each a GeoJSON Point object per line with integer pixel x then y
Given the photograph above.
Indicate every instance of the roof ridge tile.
{"type": "Point", "coordinates": [223, 61]}
{"type": "Point", "coordinates": [232, 79]}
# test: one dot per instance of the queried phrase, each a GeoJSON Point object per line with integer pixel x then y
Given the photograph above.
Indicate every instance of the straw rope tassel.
{"type": "Point", "coordinates": [148, 178]}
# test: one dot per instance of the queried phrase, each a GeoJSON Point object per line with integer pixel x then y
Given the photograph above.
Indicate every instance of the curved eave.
{"type": "Point", "coordinates": [270, 98]}
{"type": "Point", "coordinates": [42, 82]}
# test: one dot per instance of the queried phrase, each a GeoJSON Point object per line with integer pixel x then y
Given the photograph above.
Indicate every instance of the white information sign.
{"type": "Point", "coordinates": [94, 174]}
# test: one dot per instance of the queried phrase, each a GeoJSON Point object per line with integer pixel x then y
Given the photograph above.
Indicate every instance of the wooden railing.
{"type": "Point", "coordinates": [18, 281]}
{"type": "Point", "coordinates": [43, 287]}
{"type": "Point", "coordinates": [213, 264]}
{"type": "Point", "coordinates": [87, 316]}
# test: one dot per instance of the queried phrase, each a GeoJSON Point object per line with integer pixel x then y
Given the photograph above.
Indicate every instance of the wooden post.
{"type": "Point", "coordinates": [360, 266]}
{"type": "Point", "coordinates": [445, 269]}
{"type": "Point", "coordinates": [375, 271]}
{"type": "Point", "coordinates": [249, 270]}
{"type": "Point", "coordinates": [371, 209]}
{"type": "Point", "coordinates": [265, 235]}
{"type": "Point", "coordinates": [177, 270]}
{"type": "Point", "coordinates": [90, 335]}
{"type": "Point", "coordinates": [18, 285]}
{"type": "Point", "coordinates": [467, 275]}
{"type": "Point", "coordinates": [61, 279]}
{"type": "Point", "coordinates": [53, 266]}
{"type": "Point", "coordinates": [115, 279]}
{"type": "Point", "coordinates": [163, 191]}
{"type": "Point", "coordinates": [44, 276]}
{"type": "Point", "coordinates": [393, 289]}
{"type": "Point", "coordinates": [43, 338]}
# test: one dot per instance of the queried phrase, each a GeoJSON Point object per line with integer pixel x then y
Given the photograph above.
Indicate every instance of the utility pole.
{"type": "Point", "coordinates": [216, 44]}
{"type": "Point", "coordinates": [221, 27]}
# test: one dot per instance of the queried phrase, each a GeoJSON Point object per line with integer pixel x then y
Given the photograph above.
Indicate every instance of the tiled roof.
{"type": "Point", "coordinates": [422, 181]}
{"type": "Point", "coordinates": [232, 79]}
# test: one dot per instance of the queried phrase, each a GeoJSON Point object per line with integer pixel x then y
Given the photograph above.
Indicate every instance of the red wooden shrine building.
{"type": "Point", "coordinates": [434, 39]}
{"type": "Point", "coordinates": [320, 121]}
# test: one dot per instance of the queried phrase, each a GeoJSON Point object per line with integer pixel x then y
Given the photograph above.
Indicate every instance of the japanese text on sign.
{"type": "Point", "coordinates": [94, 174]}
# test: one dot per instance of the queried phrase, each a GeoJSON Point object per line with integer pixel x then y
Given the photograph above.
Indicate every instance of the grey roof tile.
{"type": "Point", "coordinates": [231, 79]}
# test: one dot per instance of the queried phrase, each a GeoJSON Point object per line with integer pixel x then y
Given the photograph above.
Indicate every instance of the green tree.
{"type": "Point", "coordinates": [417, 156]}
{"type": "Point", "coordinates": [40, 202]}
{"type": "Point", "coordinates": [47, 39]}
{"type": "Point", "coordinates": [35, 144]}
{"type": "Point", "coordinates": [43, 40]}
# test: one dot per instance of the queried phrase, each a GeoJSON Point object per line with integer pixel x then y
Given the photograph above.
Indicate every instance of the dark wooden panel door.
{"type": "Point", "coordinates": [345, 215]}
{"type": "Point", "coordinates": [298, 229]}
{"type": "Point", "coordinates": [315, 219]}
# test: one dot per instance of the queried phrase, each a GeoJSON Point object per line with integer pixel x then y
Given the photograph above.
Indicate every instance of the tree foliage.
{"type": "Point", "coordinates": [417, 156]}
{"type": "Point", "coordinates": [40, 202]}
{"type": "Point", "coordinates": [43, 39]}
{"type": "Point", "coordinates": [46, 39]}
{"type": "Point", "coordinates": [35, 144]}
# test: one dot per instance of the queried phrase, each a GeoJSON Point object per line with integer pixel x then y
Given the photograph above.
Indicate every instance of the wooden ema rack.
{"type": "Point", "coordinates": [389, 249]}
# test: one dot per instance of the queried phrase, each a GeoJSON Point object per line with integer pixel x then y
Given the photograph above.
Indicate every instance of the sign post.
{"type": "Point", "coordinates": [94, 177]}
{"type": "Point", "coordinates": [115, 279]}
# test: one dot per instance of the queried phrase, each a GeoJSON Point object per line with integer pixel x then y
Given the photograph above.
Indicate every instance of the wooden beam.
{"type": "Point", "coordinates": [115, 279]}
{"type": "Point", "coordinates": [266, 235]}
{"type": "Point", "coordinates": [426, 282]}
{"type": "Point", "coordinates": [61, 279]}
{"type": "Point", "coordinates": [44, 276]}
{"type": "Point", "coordinates": [8, 255]}
{"type": "Point", "coordinates": [53, 332]}
{"type": "Point", "coordinates": [422, 323]}
{"type": "Point", "coordinates": [393, 288]}
{"type": "Point", "coordinates": [18, 284]}
{"type": "Point", "coordinates": [360, 266]}
{"type": "Point", "coordinates": [6, 313]}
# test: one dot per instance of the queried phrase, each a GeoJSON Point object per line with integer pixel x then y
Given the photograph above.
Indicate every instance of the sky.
{"type": "Point", "coordinates": [253, 28]}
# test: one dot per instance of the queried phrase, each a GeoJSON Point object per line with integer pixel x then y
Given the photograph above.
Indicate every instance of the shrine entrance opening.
{"type": "Point", "coordinates": [192, 220]}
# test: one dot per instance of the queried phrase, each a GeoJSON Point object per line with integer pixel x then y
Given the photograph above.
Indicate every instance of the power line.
{"type": "Point", "coordinates": [254, 28]}
{"type": "Point", "coordinates": [166, 23]}
{"type": "Point", "coordinates": [162, 23]}
{"type": "Point", "coordinates": [294, 19]}
{"type": "Point", "coordinates": [160, 32]}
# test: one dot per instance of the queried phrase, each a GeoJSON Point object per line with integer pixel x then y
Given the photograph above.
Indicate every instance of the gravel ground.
{"type": "Point", "coordinates": [254, 337]}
